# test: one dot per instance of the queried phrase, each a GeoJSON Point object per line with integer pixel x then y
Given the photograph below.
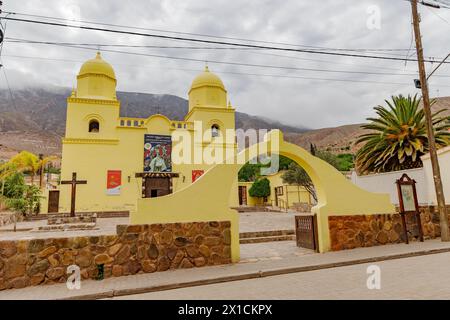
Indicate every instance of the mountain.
{"type": "Point", "coordinates": [34, 118]}
{"type": "Point", "coordinates": [342, 139]}
{"type": "Point", "coordinates": [36, 121]}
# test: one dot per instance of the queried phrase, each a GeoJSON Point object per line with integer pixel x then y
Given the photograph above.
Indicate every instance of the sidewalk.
{"type": "Point", "coordinates": [159, 281]}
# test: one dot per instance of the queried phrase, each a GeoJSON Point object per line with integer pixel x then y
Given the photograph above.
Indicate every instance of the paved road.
{"type": "Point", "coordinates": [424, 277]}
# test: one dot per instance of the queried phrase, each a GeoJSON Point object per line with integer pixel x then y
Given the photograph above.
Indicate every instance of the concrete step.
{"type": "Point", "coordinates": [267, 239]}
{"type": "Point", "coordinates": [269, 233]}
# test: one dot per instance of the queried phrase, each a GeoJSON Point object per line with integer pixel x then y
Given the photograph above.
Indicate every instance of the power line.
{"type": "Point", "coordinates": [4, 70]}
{"type": "Point", "coordinates": [203, 35]}
{"type": "Point", "coordinates": [231, 72]}
{"type": "Point", "coordinates": [234, 63]}
{"type": "Point", "coordinates": [215, 42]}
{"type": "Point", "coordinates": [254, 51]}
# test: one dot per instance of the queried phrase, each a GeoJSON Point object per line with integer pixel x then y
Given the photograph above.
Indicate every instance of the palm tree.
{"type": "Point", "coordinates": [25, 162]}
{"type": "Point", "coordinates": [398, 136]}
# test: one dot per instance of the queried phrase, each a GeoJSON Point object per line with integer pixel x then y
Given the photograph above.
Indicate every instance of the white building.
{"type": "Point", "coordinates": [385, 182]}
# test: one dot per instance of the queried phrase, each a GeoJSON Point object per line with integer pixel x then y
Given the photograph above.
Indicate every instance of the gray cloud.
{"type": "Point", "coordinates": [312, 103]}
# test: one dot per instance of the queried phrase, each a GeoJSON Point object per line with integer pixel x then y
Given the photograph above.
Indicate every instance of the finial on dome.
{"type": "Point", "coordinates": [229, 104]}
{"type": "Point", "coordinates": [206, 66]}
{"type": "Point", "coordinates": [99, 55]}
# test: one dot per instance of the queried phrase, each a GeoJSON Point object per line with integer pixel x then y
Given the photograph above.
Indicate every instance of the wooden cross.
{"type": "Point", "coordinates": [74, 183]}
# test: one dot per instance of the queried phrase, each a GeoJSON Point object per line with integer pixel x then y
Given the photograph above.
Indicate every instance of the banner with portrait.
{"type": "Point", "coordinates": [157, 153]}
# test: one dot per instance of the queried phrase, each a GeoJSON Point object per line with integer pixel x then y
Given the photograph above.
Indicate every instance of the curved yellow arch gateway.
{"type": "Point", "coordinates": [208, 198]}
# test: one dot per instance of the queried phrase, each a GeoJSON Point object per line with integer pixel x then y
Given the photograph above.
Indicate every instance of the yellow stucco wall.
{"type": "Point", "coordinates": [119, 144]}
{"type": "Point", "coordinates": [291, 194]}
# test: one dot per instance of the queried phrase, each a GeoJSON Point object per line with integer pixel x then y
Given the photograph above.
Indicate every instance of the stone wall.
{"type": "Point", "coordinates": [134, 249]}
{"type": "Point", "coordinates": [430, 221]}
{"type": "Point", "coordinates": [7, 218]}
{"type": "Point", "coordinates": [348, 232]}
{"type": "Point", "coordinates": [66, 218]}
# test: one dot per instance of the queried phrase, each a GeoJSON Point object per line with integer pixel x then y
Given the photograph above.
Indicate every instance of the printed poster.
{"type": "Point", "coordinates": [196, 174]}
{"type": "Point", "coordinates": [157, 153]}
{"type": "Point", "coordinates": [408, 197]}
{"type": "Point", "coordinates": [113, 182]}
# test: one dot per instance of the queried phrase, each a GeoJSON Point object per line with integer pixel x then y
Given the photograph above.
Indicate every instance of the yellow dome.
{"type": "Point", "coordinates": [207, 79]}
{"type": "Point", "coordinates": [97, 66]}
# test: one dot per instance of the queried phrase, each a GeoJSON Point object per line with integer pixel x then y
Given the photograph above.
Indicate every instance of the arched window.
{"type": "Point", "coordinates": [94, 126]}
{"type": "Point", "coordinates": [215, 130]}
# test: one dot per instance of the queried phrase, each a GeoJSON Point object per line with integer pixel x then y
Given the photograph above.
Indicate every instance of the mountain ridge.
{"type": "Point", "coordinates": [34, 118]}
{"type": "Point", "coordinates": [36, 121]}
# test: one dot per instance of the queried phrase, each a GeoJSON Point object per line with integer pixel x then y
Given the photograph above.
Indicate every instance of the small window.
{"type": "Point", "coordinates": [94, 126]}
{"type": "Point", "coordinates": [215, 130]}
{"type": "Point", "coordinates": [122, 123]}
{"type": "Point", "coordinates": [136, 123]}
{"type": "Point", "coordinates": [128, 123]}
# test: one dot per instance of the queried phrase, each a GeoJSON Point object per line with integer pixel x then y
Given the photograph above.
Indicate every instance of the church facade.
{"type": "Point", "coordinates": [123, 159]}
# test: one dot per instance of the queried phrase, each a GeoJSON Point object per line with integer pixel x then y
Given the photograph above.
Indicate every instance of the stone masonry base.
{"type": "Point", "coordinates": [348, 232]}
{"type": "Point", "coordinates": [134, 249]}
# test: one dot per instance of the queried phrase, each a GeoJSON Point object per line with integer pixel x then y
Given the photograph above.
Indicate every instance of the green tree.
{"type": "Point", "coordinates": [26, 162]}
{"type": "Point", "coordinates": [28, 203]}
{"type": "Point", "coordinates": [398, 136]}
{"type": "Point", "coordinates": [296, 175]}
{"type": "Point", "coordinates": [14, 186]}
{"type": "Point", "coordinates": [328, 157]}
{"type": "Point", "coordinates": [260, 188]}
{"type": "Point", "coordinates": [251, 172]}
{"type": "Point", "coordinates": [345, 162]}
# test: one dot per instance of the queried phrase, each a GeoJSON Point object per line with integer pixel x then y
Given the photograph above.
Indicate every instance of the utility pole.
{"type": "Point", "coordinates": [445, 235]}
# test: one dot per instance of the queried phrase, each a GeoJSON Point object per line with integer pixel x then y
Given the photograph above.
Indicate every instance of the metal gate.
{"type": "Point", "coordinates": [306, 231]}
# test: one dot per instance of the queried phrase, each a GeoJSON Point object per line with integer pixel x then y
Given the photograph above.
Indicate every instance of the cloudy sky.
{"type": "Point", "coordinates": [279, 87]}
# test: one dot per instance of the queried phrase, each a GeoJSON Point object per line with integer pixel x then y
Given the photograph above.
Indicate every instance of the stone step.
{"type": "Point", "coordinates": [267, 239]}
{"type": "Point", "coordinates": [270, 233]}
{"type": "Point", "coordinates": [66, 227]}
{"type": "Point", "coordinates": [101, 214]}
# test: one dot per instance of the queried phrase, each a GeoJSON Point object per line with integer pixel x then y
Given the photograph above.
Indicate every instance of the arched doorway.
{"type": "Point", "coordinates": [336, 195]}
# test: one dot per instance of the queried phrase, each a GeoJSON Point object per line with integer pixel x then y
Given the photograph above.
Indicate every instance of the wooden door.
{"type": "Point", "coordinates": [53, 201]}
{"type": "Point", "coordinates": [242, 195]}
{"type": "Point", "coordinates": [157, 187]}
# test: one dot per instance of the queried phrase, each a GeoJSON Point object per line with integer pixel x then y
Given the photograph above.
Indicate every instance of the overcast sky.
{"type": "Point", "coordinates": [349, 24]}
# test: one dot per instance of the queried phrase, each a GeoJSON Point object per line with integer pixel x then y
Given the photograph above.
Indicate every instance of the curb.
{"type": "Point", "coordinates": [251, 275]}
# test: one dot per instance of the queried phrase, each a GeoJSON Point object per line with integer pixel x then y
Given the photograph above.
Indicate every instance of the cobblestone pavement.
{"type": "Point", "coordinates": [266, 221]}
{"type": "Point", "coordinates": [421, 277]}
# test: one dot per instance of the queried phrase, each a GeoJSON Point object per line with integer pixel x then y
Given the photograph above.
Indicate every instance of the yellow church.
{"type": "Point", "coordinates": [122, 159]}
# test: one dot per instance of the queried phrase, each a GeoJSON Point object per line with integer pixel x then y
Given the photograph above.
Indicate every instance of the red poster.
{"type": "Point", "coordinates": [113, 182]}
{"type": "Point", "coordinates": [196, 174]}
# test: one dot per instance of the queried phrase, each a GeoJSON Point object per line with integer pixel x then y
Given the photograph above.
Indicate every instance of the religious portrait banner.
{"type": "Point", "coordinates": [407, 193]}
{"type": "Point", "coordinates": [157, 153]}
{"type": "Point", "coordinates": [113, 182]}
{"type": "Point", "coordinates": [196, 174]}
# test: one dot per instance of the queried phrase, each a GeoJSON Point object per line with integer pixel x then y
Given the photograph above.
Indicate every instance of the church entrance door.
{"type": "Point", "coordinates": [157, 187]}
{"type": "Point", "coordinates": [53, 201]}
